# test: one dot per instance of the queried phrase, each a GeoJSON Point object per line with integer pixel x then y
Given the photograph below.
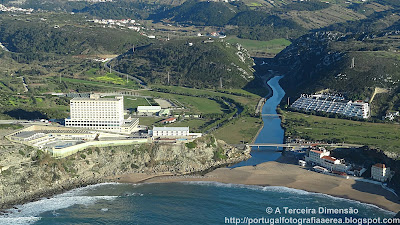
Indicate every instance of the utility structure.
{"type": "Point", "coordinates": [168, 78]}
{"type": "Point", "coordinates": [133, 48]}
{"type": "Point", "coordinates": [352, 63]}
{"type": "Point", "coordinates": [220, 82]}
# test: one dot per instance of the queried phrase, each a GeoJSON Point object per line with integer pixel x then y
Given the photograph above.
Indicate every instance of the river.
{"type": "Point", "coordinates": [272, 131]}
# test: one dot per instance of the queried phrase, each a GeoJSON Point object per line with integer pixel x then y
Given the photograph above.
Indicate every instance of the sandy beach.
{"type": "Point", "coordinates": [287, 175]}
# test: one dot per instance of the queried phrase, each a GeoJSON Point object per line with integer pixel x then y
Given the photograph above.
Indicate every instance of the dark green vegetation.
{"type": "Point", "coordinates": [40, 33]}
{"type": "Point", "coordinates": [312, 5]}
{"type": "Point", "coordinates": [309, 127]}
{"type": "Point", "coordinates": [192, 63]}
{"type": "Point", "coordinates": [200, 13]}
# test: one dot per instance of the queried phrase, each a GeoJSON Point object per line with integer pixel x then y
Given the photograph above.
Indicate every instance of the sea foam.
{"type": "Point", "coordinates": [29, 213]}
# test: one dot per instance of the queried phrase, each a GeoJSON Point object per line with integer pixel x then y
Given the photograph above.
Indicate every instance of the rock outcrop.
{"type": "Point", "coordinates": [45, 176]}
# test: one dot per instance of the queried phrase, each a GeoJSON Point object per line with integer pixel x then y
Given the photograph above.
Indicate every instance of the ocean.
{"type": "Point", "coordinates": [186, 203]}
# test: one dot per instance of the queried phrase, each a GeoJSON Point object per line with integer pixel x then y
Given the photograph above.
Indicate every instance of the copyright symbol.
{"type": "Point", "coordinates": [269, 210]}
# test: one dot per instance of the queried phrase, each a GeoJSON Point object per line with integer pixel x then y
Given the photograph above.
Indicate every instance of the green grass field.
{"type": "Point", "coordinates": [196, 105]}
{"type": "Point", "coordinates": [383, 136]}
{"type": "Point", "coordinates": [248, 99]}
{"type": "Point", "coordinates": [149, 121]}
{"type": "Point", "coordinates": [134, 102]}
{"type": "Point", "coordinates": [193, 124]}
{"type": "Point", "coordinates": [244, 129]}
{"type": "Point", "coordinates": [272, 46]}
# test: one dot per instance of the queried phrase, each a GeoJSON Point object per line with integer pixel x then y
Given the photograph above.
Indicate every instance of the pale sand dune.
{"type": "Point", "coordinates": [287, 175]}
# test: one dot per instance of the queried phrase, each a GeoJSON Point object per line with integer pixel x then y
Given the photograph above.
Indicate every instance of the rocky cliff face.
{"type": "Point", "coordinates": [367, 157]}
{"type": "Point", "coordinates": [45, 176]}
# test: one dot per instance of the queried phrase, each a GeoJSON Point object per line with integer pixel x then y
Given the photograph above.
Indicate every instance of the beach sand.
{"type": "Point", "coordinates": [288, 175]}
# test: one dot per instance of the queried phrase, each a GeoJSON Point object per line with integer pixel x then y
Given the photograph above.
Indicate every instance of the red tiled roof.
{"type": "Point", "coordinates": [329, 158]}
{"type": "Point", "coordinates": [168, 120]}
{"type": "Point", "coordinates": [316, 151]}
{"type": "Point", "coordinates": [380, 165]}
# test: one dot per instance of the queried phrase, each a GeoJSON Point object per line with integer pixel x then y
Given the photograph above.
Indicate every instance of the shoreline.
{"type": "Point", "coordinates": [279, 173]}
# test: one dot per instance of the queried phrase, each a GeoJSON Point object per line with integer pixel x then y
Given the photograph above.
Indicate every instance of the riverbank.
{"type": "Point", "coordinates": [280, 173]}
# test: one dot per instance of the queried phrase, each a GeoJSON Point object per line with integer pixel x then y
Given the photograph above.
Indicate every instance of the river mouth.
{"type": "Point", "coordinates": [272, 132]}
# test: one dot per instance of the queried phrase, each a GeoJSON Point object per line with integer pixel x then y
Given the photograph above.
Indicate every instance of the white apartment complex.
{"type": "Point", "coordinates": [380, 172]}
{"type": "Point", "coordinates": [332, 104]}
{"type": "Point", "coordinates": [100, 114]}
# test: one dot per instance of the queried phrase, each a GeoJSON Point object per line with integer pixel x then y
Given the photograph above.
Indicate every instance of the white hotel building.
{"type": "Point", "coordinates": [100, 114]}
{"type": "Point", "coordinates": [332, 104]}
{"type": "Point", "coordinates": [322, 158]}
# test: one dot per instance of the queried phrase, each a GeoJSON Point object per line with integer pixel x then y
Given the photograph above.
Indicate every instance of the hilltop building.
{"type": "Point", "coordinates": [170, 131]}
{"type": "Point", "coordinates": [332, 104]}
{"type": "Point", "coordinates": [100, 114]}
{"type": "Point", "coordinates": [380, 172]}
{"type": "Point", "coordinates": [173, 132]}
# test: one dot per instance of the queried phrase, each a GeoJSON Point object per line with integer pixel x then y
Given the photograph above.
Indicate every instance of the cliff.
{"type": "Point", "coordinates": [368, 156]}
{"type": "Point", "coordinates": [39, 175]}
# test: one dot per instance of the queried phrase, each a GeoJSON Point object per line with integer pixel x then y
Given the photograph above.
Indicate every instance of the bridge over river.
{"type": "Point", "coordinates": [304, 145]}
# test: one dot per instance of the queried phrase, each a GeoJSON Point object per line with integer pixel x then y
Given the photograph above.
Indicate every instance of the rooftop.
{"type": "Point", "coordinates": [142, 107]}
{"type": "Point", "coordinates": [96, 100]}
{"type": "Point", "coordinates": [170, 128]}
{"type": "Point", "coordinates": [329, 158]}
{"type": "Point", "coordinates": [380, 165]}
{"type": "Point", "coordinates": [316, 151]}
{"type": "Point", "coordinates": [25, 134]}
{"type": "Point", "coordinates": [169, 119]}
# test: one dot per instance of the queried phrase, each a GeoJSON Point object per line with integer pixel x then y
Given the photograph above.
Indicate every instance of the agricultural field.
{"type": "Point", "coordinates": [380, 135]}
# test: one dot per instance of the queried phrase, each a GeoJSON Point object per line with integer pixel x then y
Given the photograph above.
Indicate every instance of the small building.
{"type": "Point", "coordinates": [170, 131]}
{"type": "Point", "coordinates": [169, 120]}
{"type": "Point", "coordinates": [164, 112]}
{"type": "Point", "coordinates": [148, 109]}
{"type": "Point", "coordinates": [380, 172]}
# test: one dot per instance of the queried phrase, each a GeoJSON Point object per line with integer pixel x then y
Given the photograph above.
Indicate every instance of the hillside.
{"type": "Point", "coordinates": [323, 60]}
{"type": "Point", "coordinates": [200, 64]}
{"type": "Point", "coordinates": [64, 35]}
